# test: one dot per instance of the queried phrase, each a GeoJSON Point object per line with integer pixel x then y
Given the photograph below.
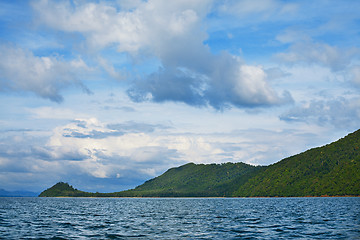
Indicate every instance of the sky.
{"type": "Point", "coordinates": [105, 95]}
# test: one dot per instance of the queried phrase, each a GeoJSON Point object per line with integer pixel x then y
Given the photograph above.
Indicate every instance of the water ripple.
{"type": "Point", "coordinates": [95, 218]}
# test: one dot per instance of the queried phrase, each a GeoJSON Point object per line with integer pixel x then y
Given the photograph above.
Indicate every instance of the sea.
{"type": "Point", "coordinates": [180, 218]}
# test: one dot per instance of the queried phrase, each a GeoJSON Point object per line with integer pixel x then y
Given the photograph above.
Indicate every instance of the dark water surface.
{"type": "Point", "coordinates": [185, 218]}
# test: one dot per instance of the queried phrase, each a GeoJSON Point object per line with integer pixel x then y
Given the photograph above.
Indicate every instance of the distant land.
{"type": "Point", "coordinates": [4, 193]}
{"type": "Point", "coordinates": [330, 170]}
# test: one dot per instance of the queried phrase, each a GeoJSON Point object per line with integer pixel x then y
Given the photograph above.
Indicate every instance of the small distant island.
{"type": "Point", "coordinates": [330, 170]}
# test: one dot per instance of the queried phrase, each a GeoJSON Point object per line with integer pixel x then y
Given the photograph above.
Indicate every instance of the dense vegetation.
{"type": "Point", "coordinates": [62, 189]}
{"type": "Point", "coordinates": [331, 170]}
{"type": "Point", "coordinates": [196, 180]}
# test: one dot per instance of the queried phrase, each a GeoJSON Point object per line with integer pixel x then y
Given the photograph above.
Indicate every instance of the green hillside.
{"type": "Point", "coordinates": [62, 189]}
{"type": "Point", "coordinates": [331, 170]}
{"type": "Point", "coordinates": [197, 180]}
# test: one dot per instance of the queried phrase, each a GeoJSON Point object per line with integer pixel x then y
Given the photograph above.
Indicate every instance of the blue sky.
{"type": "Point", "coordinates": [107, 94]}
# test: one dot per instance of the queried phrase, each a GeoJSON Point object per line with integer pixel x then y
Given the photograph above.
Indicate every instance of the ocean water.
{"type": "Point", "coordinates": [180, 218]}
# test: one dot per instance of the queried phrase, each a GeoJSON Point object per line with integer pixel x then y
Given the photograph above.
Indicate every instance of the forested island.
{"type": "Point", "coordinates": [330, 170]}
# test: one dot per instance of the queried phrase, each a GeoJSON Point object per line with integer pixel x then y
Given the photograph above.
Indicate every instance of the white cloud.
{"type": "Point", "coordinates": [154, 152]}
{"type": "Point", "coordinates": [339, 113]}
{"type": "Point", "coordinates": [254, 12]}
{"type": "Point", "coordinates": [254, 85]}
{"type": "Point", "coordinates": [131, 29]}
{"type": "Point", "coordinates": [355, 75]}
{"type": "Point", "coordinates": [328, 67]}
{"type": "Point", "coordinates": [173, 32]}
{"type": "Point", "coordinates": [309, 52]}
{"type": "Point", "coordinates": [102, 151]}
{"type": "Point", "coordinates": [21, 71]}
{"type": "Point", "coordinates": [109, 68]}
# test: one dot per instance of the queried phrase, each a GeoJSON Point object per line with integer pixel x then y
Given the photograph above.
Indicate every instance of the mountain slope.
{"type": "Point", "coordinates": [331, 170]}
{"type": "Point", "coordinates": [196, 180]}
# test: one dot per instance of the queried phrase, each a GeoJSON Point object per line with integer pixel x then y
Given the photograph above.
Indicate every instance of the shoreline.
{"type": "Point", "coordinates": [344, 196]}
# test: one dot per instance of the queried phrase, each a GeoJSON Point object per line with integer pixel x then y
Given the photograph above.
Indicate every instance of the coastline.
{"type": "Point", "coordinates": [325, 196]}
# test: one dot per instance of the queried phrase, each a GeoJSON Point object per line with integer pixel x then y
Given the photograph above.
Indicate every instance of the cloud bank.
{"type": "Point", "coordinates": [125, 154]}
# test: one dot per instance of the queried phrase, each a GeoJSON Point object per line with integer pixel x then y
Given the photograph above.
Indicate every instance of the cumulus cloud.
{"type": "Point", "coordinates": [174, 33]}
{"type": "Point", "coordinates": [21, 71]}
{"type": "Point", "coordinates": [228, 83]}
{"type": "Point", "coordinates": [129, 28]}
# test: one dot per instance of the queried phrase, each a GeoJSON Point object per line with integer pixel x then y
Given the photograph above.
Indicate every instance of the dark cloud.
{"type": "Point", "coordinates": [225, 85]}
{"type": "Point", "coordinates": [169, 85]}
